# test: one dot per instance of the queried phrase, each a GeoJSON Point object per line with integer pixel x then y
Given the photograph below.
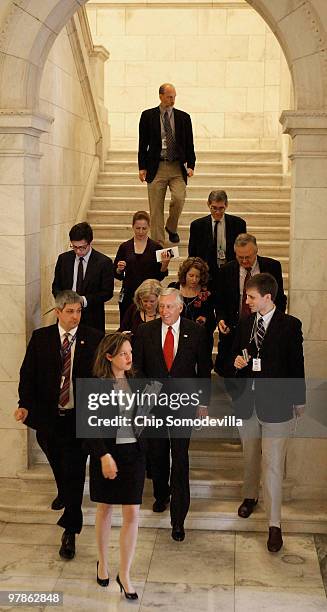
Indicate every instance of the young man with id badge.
{"type": "Point", "coordinates": [269, 392]}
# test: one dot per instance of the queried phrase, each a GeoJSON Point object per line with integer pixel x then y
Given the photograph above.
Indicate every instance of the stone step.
{"type": "Point", "coordinates": [204, 167]}
{"type": "Point", "coordinates": [202, 156]}
{"type": "Point", "coordinates": [200, 191]}
{"type": "Point", "coordinates": [298, 516]}
{"type": "Point", "coordinates": [198, 180]}
{"type": "Point", "coordinates": [122, 231]}
{"type": "Point", "coordinates": [273, 219]}
{"type": "Point", "coordinates": [193, 205]}
{"type": "Point", "coordinates": [276, 248]}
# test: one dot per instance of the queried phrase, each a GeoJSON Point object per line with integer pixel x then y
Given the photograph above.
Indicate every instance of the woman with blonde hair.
{"type": "Point", "coordinates": [117, 464]}
{"type": "Point", "coordinates": [145, 307]}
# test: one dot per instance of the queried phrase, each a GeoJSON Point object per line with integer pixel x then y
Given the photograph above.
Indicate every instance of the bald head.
{"type": "Point", "coordinates": [167, 95]}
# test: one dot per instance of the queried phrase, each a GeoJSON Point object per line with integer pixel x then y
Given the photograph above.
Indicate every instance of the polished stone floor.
{"type": "Point", "coordinates": [210, 571]}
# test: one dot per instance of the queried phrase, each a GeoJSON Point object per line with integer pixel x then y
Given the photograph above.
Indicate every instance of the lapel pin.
{"type": "Point", "coordinates": [82, 342]}
{"type": "Point", "coordinates": [185, 335]}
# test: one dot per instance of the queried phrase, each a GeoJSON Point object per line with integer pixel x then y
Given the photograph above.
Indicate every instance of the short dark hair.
{"type": "Point", "coordinates": [218, 196]}
{"type": "Point", "coordinates": [141, 215]}
{"type": "Point", "coordinates": [264, 283]}
{"type": "Point", "coordinates": [81, 231]}
{"type": "Point", "coordinates": [198, 264]}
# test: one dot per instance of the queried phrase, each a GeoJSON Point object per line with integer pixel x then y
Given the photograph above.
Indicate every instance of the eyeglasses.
{"type": "Point", "coordinates": [82, 248]}
{"type": "Point", "coordinates": [217, 208]}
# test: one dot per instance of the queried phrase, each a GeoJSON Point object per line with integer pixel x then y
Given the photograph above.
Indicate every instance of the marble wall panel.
{"type": "Point", "coordinates": [32, 255]}
{"type": "Point", "coordinates": [272, 72]}
{"type": "Point", "coordinates": [239, 125]}
{"type": "Point", "coordinates": [211, 73]}
{"type": "Point", "coordinates": [203, 48]}
{"type": "Point", "coordinates": [307, 272]}
{"type": "Point", "coordinates": [241, 74]}
{"type": "Point", "coordinates": [180, 22]}
{"type": "Point", "coordinates": [242, 20]}
{"type": "Point", "coordinates": [208, 125]}
{"type": "Point", "coordinates": [131, 125]}
{"type": "Point", "coordinates": [8, 403]}
{"type": "Point", "coordinates": [311, 308]}
{"type": "Point", "coordinates": [110, 23]}
{"type": "Point", "coordinates": [257, 46]}
{"type": "Point", "coordinates": [160, 48]}
{"type": "Point", "coordinates": [310, 172]}
{"type": "Point", "coordinates": [124, 47]}
{"type": "Point", "coordinates": [231, 99]}
{"type": "Point", "coordinates": [212, 22]}
{"type": "Point", "coordinates": [315, 358]}
{"type": "Point", "coordinates": [11, 204]}
{"type": "Point", "coordinates": [255, 100]}
{"type": "Point", "coordinates": [271, 126]}
{"type": "Point", "coordinates": [12, 311]}
{"type": "Point", "coordinates": [271, 97]}
{"type": "Point", "coordinates": [126, 99]}
{"type": "Point", "coordinates": [12, 351]}
{"type": "Point", "coordinates": [154, 73]}
{"type": "Point", "coordinates": [17, 439]}
{"type": "Point", "coordinates": [12, 263]}
{"type": "Point", "coordinates": [310, 213]}
{"type": "Point", "coordinates": [114, 73]}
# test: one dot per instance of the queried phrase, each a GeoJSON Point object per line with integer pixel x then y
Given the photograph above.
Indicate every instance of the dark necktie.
{"type": "Point", "coordinates": [245, 309]}
{"type": "Point", "coordinates": [80, 277]}
{"type": "Point", "coordinates": [170, 143]}
{"type": "Point", "coordinates": [168, 348]}
{"type": "Point", "coordinates": [260, 332]}
{"type": "Point", "coordinates": [65, 372]}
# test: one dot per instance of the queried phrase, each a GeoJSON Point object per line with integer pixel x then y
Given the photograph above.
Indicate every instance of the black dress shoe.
{"type": "Point", "coordinates": [275, 540]}
{"type": "Point", "coordinates": [160, 506]}
{"type": "Point", "coordinates": [173, 236]}
{"type": "Point", "coordinates": [178, 533]}
{"type": "Point", "coordinates": [122, 588]}
{"type": "Point", "coordinates": [57, 503]}
{"type": "Point", "coordinates": [246, 508]}
{"type": "Point", "coordinates": [67, 548]}
{"type": "Point", "coordinates": [102, 581]}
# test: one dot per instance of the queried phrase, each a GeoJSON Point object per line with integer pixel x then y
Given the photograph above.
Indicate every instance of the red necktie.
{"type": "Point", "coordinates": [168, 348]}
{"type": "Point", "coordinates": [65, 373]}
{"type": "Point", "coordinates": [245, 310]}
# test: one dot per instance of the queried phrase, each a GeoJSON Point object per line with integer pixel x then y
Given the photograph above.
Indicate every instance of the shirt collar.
{"type": "Point", "coordinates": [163, 109]}
{"type": "Point", "coordinates": [62, 331]}
{"type": "Point", "coordinates": [267, 317]}
{"type": "Point", "coordinates": [85, 257]}
{"type": "Point", "coordinates": [175, 327]}
{"type": "Point", "coordinates": [253, 267]}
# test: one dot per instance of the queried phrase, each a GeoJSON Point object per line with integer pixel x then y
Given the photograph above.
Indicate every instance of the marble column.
{"type": "Point", "coordinates": [307, 458]}
{"type": "Point", "coordinates": [19, 267]}
{"type": "Point", "coordinates": [98, 56]}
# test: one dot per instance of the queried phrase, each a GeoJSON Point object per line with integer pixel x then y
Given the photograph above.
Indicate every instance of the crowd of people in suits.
{"type": "Point", "coordinates": [164, 333]}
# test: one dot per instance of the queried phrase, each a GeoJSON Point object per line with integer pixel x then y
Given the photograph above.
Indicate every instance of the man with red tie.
{"type": "Point", "coordinates": [172, 347]}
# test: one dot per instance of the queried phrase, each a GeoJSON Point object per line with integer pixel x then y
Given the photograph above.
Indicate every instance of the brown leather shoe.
{"type": "Point", "coordinates": [246, 508]}
{"type": "Point", "coordinates": [275, 540]}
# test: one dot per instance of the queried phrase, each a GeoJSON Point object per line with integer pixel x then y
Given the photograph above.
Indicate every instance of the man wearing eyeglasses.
{"type": "Point", "coordinates": [88, 272]}
{"type": "Point", "coordinates": [212, 237]}
{"type": "Point", "coordinates": [231, 294]}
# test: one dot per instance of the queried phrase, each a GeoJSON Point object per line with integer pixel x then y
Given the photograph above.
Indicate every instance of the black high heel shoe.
{"type": "Point", "coordinates": [122, 588]}
{"type": "Point", "coordinates": [102, 581]}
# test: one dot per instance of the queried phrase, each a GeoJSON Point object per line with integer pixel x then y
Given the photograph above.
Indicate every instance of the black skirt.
{"type": "Point", "coordinates": [127, 487]}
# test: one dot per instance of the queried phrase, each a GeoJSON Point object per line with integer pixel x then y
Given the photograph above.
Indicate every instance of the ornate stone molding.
{"type": "Point", "coordinates": [304, 122]}
{"type": "Point", "coordinates": [84, 79]}
{"type": "Point", "coordinates": [24, 121]}
{"type": "Point", "coordinates": [219, 4]}
{"type": "Point", "coordinates": [101, 52]}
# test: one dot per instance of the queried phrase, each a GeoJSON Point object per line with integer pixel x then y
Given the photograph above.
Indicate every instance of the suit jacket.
{"type": "Point", "coordinates": [192, 359]}
{"type": "Point", "coordinates": [280, 384]}
{"type": "Point", "coordinates": [40, 374]}
{"type": "Point", "coordinates": [98, 284]}
{"type": "Point", "coordinates": [150, 144]}
{"type": "Point", "coordinates": [201, 240]}
{"type": "Point", "coordinates": [228, 288]}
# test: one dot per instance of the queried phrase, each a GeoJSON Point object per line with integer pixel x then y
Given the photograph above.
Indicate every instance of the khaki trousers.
{"type": "Point", "coordinates": [264, 450]}
{"type": "Point", "coordinates": [168, 174]}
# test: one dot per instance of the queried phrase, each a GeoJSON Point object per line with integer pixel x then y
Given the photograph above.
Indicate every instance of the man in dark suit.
{"type": "Point", "coordinates": [166, 158]}
{"type": "Point", "coordinates": [189, 358]}
{"type": "Point", "coordinates": [56, 356]}
{"type": "Point", "coordinates": [270, 390]}
{"type": "Point", "coordinates": [212, 237]}
{"type": "Point", "coordinates": [87, 272]}
{"type": "Point", "coordinates": [231, 303]}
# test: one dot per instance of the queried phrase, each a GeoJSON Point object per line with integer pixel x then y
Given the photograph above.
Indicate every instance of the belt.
{"type": "Point", "coordinates": [63, 412]}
